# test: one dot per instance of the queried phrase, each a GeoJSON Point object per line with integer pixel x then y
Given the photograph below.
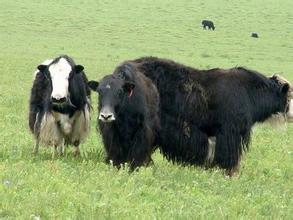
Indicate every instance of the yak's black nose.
{"type": "Point", "coordinates": [58, 100]}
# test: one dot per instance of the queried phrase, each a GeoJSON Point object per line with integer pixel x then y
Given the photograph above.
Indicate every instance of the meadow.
{"type": "Point", "coordinates": [100, 34]}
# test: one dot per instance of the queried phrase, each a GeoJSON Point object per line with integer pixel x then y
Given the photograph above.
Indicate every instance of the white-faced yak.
{"type": "Point", "coordinates": [59, 105]}
{"type": "Point", "coordinates": [128, 116]}
{"type": "Point", "coordinates": [207, 115]}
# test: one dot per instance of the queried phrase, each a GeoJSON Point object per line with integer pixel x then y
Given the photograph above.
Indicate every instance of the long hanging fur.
{"type": "Point", "coordinates": [196, 105]}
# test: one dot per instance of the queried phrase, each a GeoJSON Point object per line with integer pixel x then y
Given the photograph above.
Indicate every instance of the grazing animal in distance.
{"type": "Point", "coordinates": [207, 115]}
{"type": "Point", "coordinates": [59, 107]}
{"type": "Point", "coordinates": [128, 116]}
{"type": "Point", "coordinates": [255, 35]}
{"type": "Point", "coordinates": [209, 24]}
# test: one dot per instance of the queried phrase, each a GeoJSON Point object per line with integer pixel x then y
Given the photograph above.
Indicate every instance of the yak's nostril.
{"type": "Point", "coordinates": [107, 116]}
{"type": "Point", "coordinates": [59, 100]}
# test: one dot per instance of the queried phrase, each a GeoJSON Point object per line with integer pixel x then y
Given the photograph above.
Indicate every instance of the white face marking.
{"type": "Point", "coordinates": [106, 114]}
{"type": "Point", "coordinates": [59, 73]}
{"type": "Point", "coordinates": [108, 86]}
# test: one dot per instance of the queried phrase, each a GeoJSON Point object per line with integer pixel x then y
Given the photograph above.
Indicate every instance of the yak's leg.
{"type": "Point", "coordinates": [75, 150]}
{"type": "Point", "coordinates": [36, 147]}
{"type": "Point", "coordinates": [228, 151]}
{"type": "Point", "coordinates": [64, 147]}
{"type": "Point", "coordinates": [114, 154]}
{"type": "Point", "coordinates": [140, 152]}
{"type": "Point", "coordinates": [55, 151]}
{"type": "Point", "coordinates": [198, 145]}
{"type": "Point", "coordinates": [234, 171]}
{"type": "Point", "coordinates": [59, 148]}
{"type": "Point", "coordinates": [211, 151]}
{"type": "Point", "coordinates": [37, 132]}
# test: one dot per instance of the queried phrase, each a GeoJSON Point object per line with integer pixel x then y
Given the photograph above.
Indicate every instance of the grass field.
{"type": "Point", "coordinates": [99, 35]}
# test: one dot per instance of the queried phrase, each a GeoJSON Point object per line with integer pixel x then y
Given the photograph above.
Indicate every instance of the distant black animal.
{"type": "Point", "coordinates": [207, 115]}
{"type": "Point", "coordinates": [59, 104]}
{"type": "Point", "coordinates": [255, 35]}
{"type": "Point", "coordinates": [128, 116]}
{"type": "Point", "coordinates": [209, 24]}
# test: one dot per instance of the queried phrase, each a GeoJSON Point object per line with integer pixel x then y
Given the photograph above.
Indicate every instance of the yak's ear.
{"type": "Point", "coordinates": [42, 68]}
{"type": "Point", "coordinates": [128, 86]}
{"type": "Point", "coordinates": [93, 85]}
{"type": "Point", "coordinates": [285, 88]}
{"type": "Point", "coordinates": [78, 68]}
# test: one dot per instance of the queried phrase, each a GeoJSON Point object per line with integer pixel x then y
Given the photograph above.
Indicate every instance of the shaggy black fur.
{"type": "Point", "coordinates": [197, 104]}
{"type": "Point", "coordinates": [40, 100]}
{"type": "Point", "coordinates": [134, 101]}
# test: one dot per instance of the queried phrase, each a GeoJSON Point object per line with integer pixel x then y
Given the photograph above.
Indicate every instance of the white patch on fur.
{"type": "Point", "coordinates": [64, 121]}
{"type": "Point", "coordinates": [59, 73]}
{"type": "Point", "coordinates": [50, 134]}
{"type": "Point", "coordinates": [108, 86]}
{"type": "Point", "coordinates": [81, 125]}
{"type": "Point", "coordinates": [211, 150]}
{"type": "Point", "coordinates": [74, 129]}
{"type": "Point", "coordinates": [46, 62]}
{"type": "Point", "coordinates": [290, 111]}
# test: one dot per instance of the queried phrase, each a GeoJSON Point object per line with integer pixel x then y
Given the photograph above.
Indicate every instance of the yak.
{"type": "Point", "coordinates": [255, 35]}
{"type": "Point", "coordinates": [209, 24]}
{"type": "Point", "coordinates": [59, 105]}
{"type": "Point", "coordinates": [128, 116]}
{"type": "Point", "coordinates": [207, 115]}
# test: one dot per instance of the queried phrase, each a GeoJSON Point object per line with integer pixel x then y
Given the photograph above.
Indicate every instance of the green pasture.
{"type": "Point", "coordinates": [100, 34]}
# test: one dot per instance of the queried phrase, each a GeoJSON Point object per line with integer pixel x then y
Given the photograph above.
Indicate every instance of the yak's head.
{"type": "Point", "coordinates": [285, 94]}
{"type": "Point", "coordinates": [60, 72]}
{"type": "Point", "coordinates": [113, 93]}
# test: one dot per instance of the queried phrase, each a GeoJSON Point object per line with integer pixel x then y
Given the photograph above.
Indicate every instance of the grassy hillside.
{"type": "Point", "coordinates": [99, 35]}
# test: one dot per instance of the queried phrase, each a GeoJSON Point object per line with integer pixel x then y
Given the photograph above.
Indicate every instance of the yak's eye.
{"type": "Point", "coordinates": [120, 93]}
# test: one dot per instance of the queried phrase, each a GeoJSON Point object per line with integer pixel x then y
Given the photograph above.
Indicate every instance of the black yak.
{"type": "Point", "coordinates": [209, 24]}
{"type": "Point", "coordinates": [255, 35]}
{"type": "Point", "coordinates": [207, 115]}
{"type": "Point", "coordinates": [128, 116]}
{"type": "Point", "coordinates": [59, 104]}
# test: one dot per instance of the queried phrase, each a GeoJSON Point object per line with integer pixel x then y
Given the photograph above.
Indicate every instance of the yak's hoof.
{"type": "Point", "coordinates": [75, 152]}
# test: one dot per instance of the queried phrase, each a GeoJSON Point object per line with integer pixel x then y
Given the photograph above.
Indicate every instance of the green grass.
{"type": "Point", "coordinates": [101, 34]}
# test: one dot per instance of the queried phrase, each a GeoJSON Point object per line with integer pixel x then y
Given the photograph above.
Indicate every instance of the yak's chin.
{"type": "Point", "coordinates": [62, 105]}
{"type": "Point", "coordinates": [106, 121]}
